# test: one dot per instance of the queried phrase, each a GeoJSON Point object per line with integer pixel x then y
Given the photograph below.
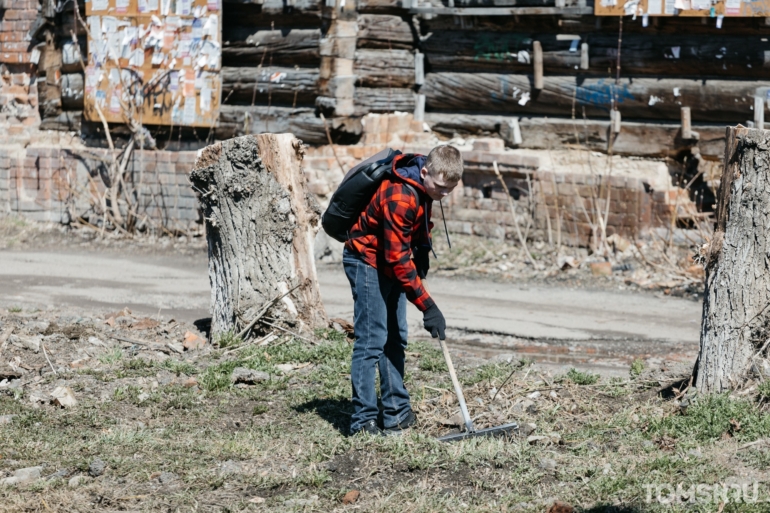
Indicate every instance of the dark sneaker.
{"type": "Point", "coordinates": [370, 428]}
{"type": "Point", "coordinates": [399, 428]}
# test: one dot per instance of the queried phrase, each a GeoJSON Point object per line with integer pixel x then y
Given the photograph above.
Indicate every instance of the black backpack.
{"type": "Point", "coordinates": [354, 194]}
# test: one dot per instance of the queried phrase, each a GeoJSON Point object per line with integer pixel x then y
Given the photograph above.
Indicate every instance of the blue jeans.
{"type": "Point", "coordinates": [379, 309]}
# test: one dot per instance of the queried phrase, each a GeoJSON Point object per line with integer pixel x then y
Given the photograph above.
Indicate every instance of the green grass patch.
{"type": "Point", "coordinates": [710, 417]}
{"type": "Point", "coordinates": [582, 378]}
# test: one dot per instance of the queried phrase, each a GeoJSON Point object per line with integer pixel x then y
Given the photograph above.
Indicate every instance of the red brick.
{"type": "Point", "coordinates": [14, 47]}
{"type": "Point", "coordinates": [12, 37]}
{"type": "Point", "coordinates": [25, 14]}
{"type": "Point", "coordinates": [23, 25]}
{"type": "Point", "coordinates": [14, 58]}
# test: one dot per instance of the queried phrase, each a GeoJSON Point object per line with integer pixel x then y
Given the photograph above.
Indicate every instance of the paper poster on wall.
{"type": "Point", "coordinates": [654, 7]}
{"type": "Point", "coordinates": [732, 7]}
{"type": "Point", "coordinates": [213, 5]}
{"type": "Point", "coordinates": [205, 100]}
{"type": "Point", "coordinates": [168, 57]}
{"type": "Point", "coordinates": [183, 7]}
{"type": "Point", "coordinates": [95, 26]}
{"type": "Point", "coordinates": [115, 102]}
{"type": "Point", "coordinates": [188, 117]}
{"type": "Point", "coordinates": [670, 6]}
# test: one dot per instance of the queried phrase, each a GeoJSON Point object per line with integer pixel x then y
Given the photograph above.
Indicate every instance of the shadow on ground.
{"type": "Point", "coordinates": [336, 412]}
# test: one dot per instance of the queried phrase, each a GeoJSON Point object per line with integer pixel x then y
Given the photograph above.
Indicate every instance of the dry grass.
{"type": "Point", "coordinates": [177, 436]}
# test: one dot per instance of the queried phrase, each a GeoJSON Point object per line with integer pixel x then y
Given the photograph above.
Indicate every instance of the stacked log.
{"type": "Point", "coordinates": [384, 64]}
{"type": "Point", "coordinates": [642, 55]}
{"type": "Point", "coordinates": [271, 54]}
{"type": "Point", "coordinates": [273, 85]}
{"type": "Point", "coordinates": [636, 98]}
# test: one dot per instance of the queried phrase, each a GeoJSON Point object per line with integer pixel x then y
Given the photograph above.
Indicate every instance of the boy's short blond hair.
{"type": "Point", "coordinates": [445, 161]}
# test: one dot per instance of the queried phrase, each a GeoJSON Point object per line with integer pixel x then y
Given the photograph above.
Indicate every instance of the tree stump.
{"type": "Point", "coordinates": [735, 328]}
{"type": "Point", "coordinates": [260, 225]}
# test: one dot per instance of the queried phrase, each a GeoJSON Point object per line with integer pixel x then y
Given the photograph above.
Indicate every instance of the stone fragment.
{"type": "Point", "coordinates": [97, 467]}
{"type": "Point", "coordinates": [23, 476]}
{"type": "Point", "coordinates": [561, 507]}
{"type": "Point", "coordinates": [76, 481]}
{"type": "Point", "coordinates": [248, 376]}
{"type": "Point", "coordinates": [64, 397]}
{"type": "Point", "coordinates": [601, 268]}
{"type": "Point", "coordinates": [176, 347]}
{"type": "Point", "coordinates": [30, 343]}
{"type": "Point", "coordinates": [167, 477]}
{"type": "Point", "coordinates": [193, 342]}
{"type": "Point", "coordinates": [547, 464]}
{"type": "Point", "coordinates": [351, 497]}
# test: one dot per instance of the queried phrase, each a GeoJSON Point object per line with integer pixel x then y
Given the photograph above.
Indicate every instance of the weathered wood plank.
{"type": "Point", "coordinates": [292, 86]}
{"type": "Point", "coordinates": [641, 98]}
{"type": "Point", "coordinates": [591, 25]}
{"type": "Point", "coordinates": [384, 31]}
{"type": "Point", "coordinates": [654, 139]}
{"type": "Point", "coordinates": [502, 11]}
{"type": "Point", "coordinates": [369, 99]}
{"type": "Point", "coordinates": [384, 68]}
{"type": "Point", "coordinates": [679, 55]}
{"type": "Point", "coordinates": [245, 47]}
{"type": "Point", "coordinates": [382, 6]}
{"type": "Point", "coordinates": [236, 120]}
{"type": "Point", "coordinates": [277, 14]}
{"type": "Point", "coordinates": [64, 122]}
{"type": "Point", "coordinates": [72, 89]}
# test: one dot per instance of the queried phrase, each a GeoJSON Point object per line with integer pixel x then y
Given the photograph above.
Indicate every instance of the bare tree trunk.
{"type": "Point", "coordinates": [736, 305]}
{"type": "Point", "coordinates": [260, 224]}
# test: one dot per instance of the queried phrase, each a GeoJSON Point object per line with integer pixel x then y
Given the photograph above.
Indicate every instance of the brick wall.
{"type": "Point", "coordinates": [50, 183]}
{"type": "Point", "coordinates": [19, 115]}
{"type": "Point", "coordinates": [53, 183]}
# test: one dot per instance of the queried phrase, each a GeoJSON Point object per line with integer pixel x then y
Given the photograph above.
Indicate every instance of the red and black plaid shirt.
{"type": "Point", "coordinates": [391, 225]}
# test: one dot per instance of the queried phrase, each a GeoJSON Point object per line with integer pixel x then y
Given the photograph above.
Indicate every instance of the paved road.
{"type": "Point", "coordinates": [533, 319]}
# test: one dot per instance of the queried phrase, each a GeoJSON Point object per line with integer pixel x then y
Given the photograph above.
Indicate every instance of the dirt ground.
{"type": "Point", "coordinates": [105, 409]}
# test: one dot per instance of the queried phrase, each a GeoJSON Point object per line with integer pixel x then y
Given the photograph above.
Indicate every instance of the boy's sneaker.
{"type": "Point", "coordinates": [399, 428]}
{"type": "Point", "coordinates": [370, 428]}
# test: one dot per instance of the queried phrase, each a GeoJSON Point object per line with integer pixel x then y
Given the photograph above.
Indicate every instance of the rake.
{"type": "Point", "coordinates": [470, 431]}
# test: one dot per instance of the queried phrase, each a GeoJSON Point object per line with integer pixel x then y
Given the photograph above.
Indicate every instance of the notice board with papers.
{"type": "Point", "coordinates": [697, 8]}
{"type": "Point", "coordinates": [160, 59]}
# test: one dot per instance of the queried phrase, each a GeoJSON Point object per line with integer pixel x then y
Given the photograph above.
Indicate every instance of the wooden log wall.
{"type": "Point", "coordinates": [295, 58]}
{"type": "Point", "coordinates": [385, 63]}
{"type": "Point", "coordinates": [271, 53]}
{"type": "Point", "coordinates": [485, 65]}
{"type": "Point", "coordinates": [60, 74]}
